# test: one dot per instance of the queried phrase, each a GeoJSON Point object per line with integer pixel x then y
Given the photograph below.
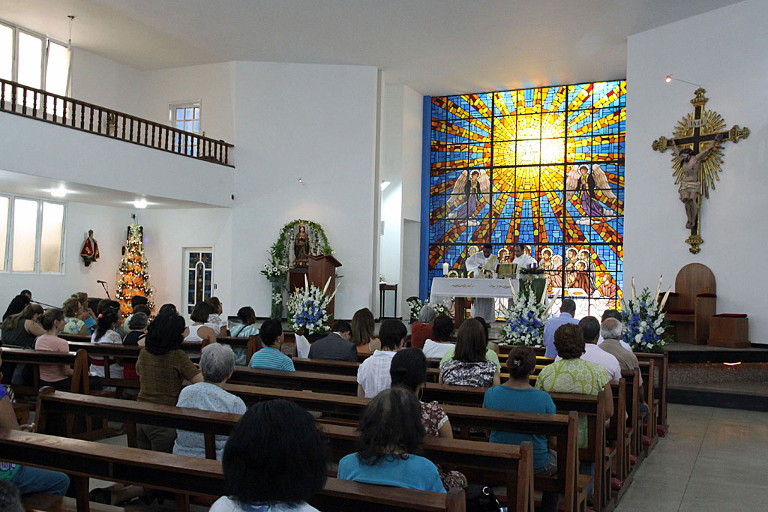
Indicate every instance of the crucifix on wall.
{"type": "Point", "coordinates": [697, 149]}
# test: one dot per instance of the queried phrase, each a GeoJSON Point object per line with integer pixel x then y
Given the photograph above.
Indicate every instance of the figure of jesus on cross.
{"type": "Point", "coordinates": [697, 150]}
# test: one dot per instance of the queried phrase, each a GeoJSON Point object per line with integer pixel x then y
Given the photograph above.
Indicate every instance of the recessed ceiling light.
{"type": "Point", "coordinates": [61, 191]}
{"type": "Point", "coordinates": [140, 203]}
{"type": "Point", "coordinates": [384, 184]}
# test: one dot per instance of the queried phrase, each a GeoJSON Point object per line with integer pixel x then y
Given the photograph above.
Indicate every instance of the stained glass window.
{"type": "Point", "coordinates": [543, 167]}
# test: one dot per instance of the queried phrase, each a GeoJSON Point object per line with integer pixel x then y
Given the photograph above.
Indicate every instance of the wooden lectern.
{"type": "Point", "coordinates": [319, 270]}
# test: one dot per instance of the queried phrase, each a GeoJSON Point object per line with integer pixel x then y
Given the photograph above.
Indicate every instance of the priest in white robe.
{"type": "Point", "coordinates": [477, 263]}
{"type": "Point", "coordinates": [522, 260]}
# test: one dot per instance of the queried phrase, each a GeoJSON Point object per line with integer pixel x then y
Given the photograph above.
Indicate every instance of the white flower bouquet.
{"type": "Point", "coordinates": [644, 320]}
{"type": "Point", "coordinates": [307, 308]}
{"type": "Point", "coordinates": [525, 320]}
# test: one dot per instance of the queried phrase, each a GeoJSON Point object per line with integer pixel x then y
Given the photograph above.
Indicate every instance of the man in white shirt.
{"type": "Point", "coordinates": [590, 326]}
{"type": "Point", "coordinates": [522, 260]}
{"type": "Point", "coordinates": [483, 307]}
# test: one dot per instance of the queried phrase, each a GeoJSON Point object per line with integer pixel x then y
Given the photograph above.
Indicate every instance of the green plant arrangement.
{"type": "Point", "coordinates": [276, 269]}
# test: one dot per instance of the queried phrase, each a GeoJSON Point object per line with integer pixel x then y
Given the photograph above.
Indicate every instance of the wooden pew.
{"type": "Point", "coordinates": [78, 360]}
{"type": "Point", "coordinates": [511, 465]}
{"type": "Point", "coordinates": [661, 365]}
{"type": "Point", "coordinates": [188, 476]}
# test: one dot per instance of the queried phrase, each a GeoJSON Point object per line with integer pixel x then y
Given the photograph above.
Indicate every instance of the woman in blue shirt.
{"type": "Point", "coordinates": [391, 432]}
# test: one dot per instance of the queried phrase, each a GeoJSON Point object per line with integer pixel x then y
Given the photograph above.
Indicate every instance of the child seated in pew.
{"type": "Point", "coordinates": [409, 371]}
{"type": "Point", "coordinates": [517, 394]}
{"type": "Point", "coordinates": [27, 479]}
{"type": "Point", "coordinates": [274, 460]}
{"type": "Point", "coordinates": [270, 357]}
{"type": "Point", "coordinates": [391, 432]}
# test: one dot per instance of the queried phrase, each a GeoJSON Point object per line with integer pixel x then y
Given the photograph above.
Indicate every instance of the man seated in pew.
{"type": "Point", "coordinates": [590, 327]}
{"type": "Point", "coordinates": [9, 497]}
{"type": "Point", "coordinates": [270, 356]}
{"type": "Point", "coordinates": [58, 376]}
{"type": "Point", "coordinates": [336, 346]}
{"type": "Point", "coordinates": [27, 479]}
{"type": "Point", "coordinates": [373, 374]}
{"type": "Point", "coordinates": [611, 330]}
{"type": "Point", "coordinates": [217, 362]}
{"type": "Point", "coordinates": [409, 371]}
{"type": "Point", "coordinates": [613, 313]}
{"type": "Point", "coordinates": [567, 310]}
{"type": "Point", "coordinates": [517, 394]}
{"type": "Point", "coordinates": [274, 461]}
{"type": "Point", "coordinates": [391, 433]}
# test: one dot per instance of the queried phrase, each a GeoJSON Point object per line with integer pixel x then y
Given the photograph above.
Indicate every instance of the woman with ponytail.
{"type": "Point", "coordinates": [106, 322]}
{"type": "Point", "coordinates": [56, 375]}
{"type": "Point", "coordinates": [517, 394]}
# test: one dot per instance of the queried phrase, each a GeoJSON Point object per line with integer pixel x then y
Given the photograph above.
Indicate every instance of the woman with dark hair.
{"type": "Point", "coordinates": [362, 334]}
{"type": "Point", "coordinates": [105, 332]}
{"type": "Point", "coordinates": [409, 371]}
{"type": "Point", "coordinates": [57, 375]}
{"type": "Point", "coordinates": [571, 374]}
{"type": "Point", "coordinates": [469, 366]}
{"type": "Point", "coordinates": [17, 305]}
{"type": "Point", "coordinates": [21, 329]}
{"type": "Point", "coordinates": [491, 352]}
{"type": "Point", "coordinates": [517, 394]}
{"type": "Point", "coordinates": [274, 460]}
{"type": "Point", "coordinates": [391, 433]}
{"type": "Point", "coordinates": [199, 331]}
{"type": "Point", "coordinates": [442, 337]}
{"type": "Point", "coordinates": [166, 309]}
{"type": "Point", "coordinates": [214, 320]}
{"type": "Point", "coordinates": [373, 373]}
{"type": "Point", "coordinates": [247, 329]}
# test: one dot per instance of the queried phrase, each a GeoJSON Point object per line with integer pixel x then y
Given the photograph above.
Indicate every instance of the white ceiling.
{"type": "Point", "coordinates": [435, 46]}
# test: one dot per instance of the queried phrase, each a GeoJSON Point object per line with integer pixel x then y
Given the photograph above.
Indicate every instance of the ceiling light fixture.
{"type": "Point", "coordinates": [669, 78]}
{"type": "Point", "coordinates": [301, 181]}
{"type": "Point", "coordinates": [140, 203]}
{"type": "Point", "coordinates": [384, 184]}
{"type": "Point", "coordinates": [59, 192]}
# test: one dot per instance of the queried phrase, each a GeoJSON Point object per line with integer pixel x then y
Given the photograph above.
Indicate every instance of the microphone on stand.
{"type": "Point", "coordinates": [104, 285]}
{"type": "Point", "coordinates": [44, 304]}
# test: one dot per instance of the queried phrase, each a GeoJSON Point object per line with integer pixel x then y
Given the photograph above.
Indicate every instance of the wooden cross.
{"type": "Point", "coordinates": [704, 126]}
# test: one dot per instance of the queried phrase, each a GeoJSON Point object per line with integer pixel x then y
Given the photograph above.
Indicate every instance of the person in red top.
{"type": "Point", "coordinates": [90, 252]}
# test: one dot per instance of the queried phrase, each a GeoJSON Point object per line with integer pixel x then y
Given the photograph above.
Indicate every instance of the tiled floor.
{"type": "Point", "coordinates": [711, 460]}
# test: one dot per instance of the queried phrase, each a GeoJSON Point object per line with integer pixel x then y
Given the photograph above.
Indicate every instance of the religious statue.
{"type": "Point", "coordinates": [90, 251]}
{"type": "Point", "coordinates": [582, 182]}
{"type": "Point", "coordinates": [471, 191]}
{"type": "Point", "coordinates": [690, 177]}
{"type": "Point", "coordinates": [301, 247]}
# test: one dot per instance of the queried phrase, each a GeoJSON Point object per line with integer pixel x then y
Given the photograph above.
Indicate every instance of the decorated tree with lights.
{"type": "Point", "coordinates": [133, 277]}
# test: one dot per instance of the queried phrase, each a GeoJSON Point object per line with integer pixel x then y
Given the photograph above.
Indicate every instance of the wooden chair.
{"type": "Point", "coordinates": [692, 304]}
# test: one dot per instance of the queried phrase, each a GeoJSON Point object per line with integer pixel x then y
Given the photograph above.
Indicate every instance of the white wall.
{"type": "Point", "coordinates": [106, 83]}
{"type": "Point", "coordinates": [168, 232]}
{"type": "Point", "coordinates": [316, 122]}
{"type": "Point", "coordinates": [725, 51]}
{"type": "Point", "coordinates": [108, 226]}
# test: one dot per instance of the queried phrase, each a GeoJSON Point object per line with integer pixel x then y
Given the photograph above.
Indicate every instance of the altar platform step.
{"type": "Point", "coordinates": [718, 377]}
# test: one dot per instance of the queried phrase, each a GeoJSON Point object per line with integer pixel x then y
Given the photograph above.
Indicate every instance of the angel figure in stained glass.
{"type": "Point", "coordinates": [582, 181]}
{"type": "Point", "coordinates": [469, 188]}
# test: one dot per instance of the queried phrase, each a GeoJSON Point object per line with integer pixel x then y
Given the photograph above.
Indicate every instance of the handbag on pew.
{"type": "Point", "coordinates": [481, 498]}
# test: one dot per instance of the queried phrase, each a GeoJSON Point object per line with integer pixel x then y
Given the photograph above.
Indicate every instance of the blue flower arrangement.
{"type": "Point", "coordinates": [644, 325]}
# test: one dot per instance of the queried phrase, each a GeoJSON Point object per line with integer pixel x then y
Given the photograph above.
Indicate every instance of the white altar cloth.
{"type": "Point", "coordinates": [447, 288]}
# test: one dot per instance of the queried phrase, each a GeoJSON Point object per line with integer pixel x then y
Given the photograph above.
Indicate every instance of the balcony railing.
{"type": "Point", "coordinates": [44, 106]}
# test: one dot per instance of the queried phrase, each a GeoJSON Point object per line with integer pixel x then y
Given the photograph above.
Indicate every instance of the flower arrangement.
{"type": "Point", "coordinates": [307, 308]}
{"type": "Point", "coordinates": [415, 305]}
{"type": "Point", "coordinates": [443, 308]}
{"type": "Point", "coordinates": [644, 320]}
{"type": "Point", "coordinates": [276, 270]}
{"type": "Point", "coordinates": [525, 320]}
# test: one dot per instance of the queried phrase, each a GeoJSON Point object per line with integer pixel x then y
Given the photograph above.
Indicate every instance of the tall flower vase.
{"type": "Point", "coordinates": [277, 301]}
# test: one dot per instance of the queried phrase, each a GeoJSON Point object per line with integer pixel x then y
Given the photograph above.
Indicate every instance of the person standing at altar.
{"type": "Point", "coordinates": [567, 310]}
{"type": "Point", "coordinates": [522, 260]}
{"type": "Point", "coordinates": [483, 307]}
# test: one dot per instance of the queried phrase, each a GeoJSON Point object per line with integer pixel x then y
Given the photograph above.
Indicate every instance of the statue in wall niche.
{"type": "Point", "coordinates": [697, 149]}
{"type": "Point", "coordinates": [90, 251]}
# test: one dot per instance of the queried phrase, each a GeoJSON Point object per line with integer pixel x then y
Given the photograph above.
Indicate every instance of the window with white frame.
{"type": "Point", "coordinates": [31, 235]}
{"type": "Point", "coordinates": [185, 116]}
{"type": "Point", "coordinates": [33, 60]}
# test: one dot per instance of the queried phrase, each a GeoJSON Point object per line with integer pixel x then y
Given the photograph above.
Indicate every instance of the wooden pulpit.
{"type": "Point", "coordinates": [319, 270]}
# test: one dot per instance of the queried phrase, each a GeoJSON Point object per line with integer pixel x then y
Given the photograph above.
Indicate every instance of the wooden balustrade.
{"type": "Point", "coordinates": [42, 105]}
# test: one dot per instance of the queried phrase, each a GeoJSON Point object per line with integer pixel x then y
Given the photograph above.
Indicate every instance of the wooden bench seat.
{"type": "Point", "coordinates": [188, 476]}
{"type": "Point", "coordinates": [48, 503]}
